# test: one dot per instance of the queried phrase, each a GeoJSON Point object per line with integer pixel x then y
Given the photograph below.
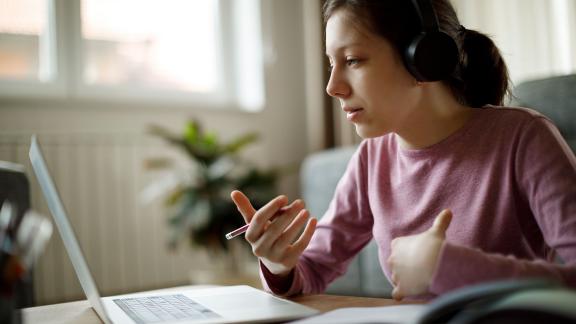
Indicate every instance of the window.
{"type": "Point", "coordinates": [192, 51]}
{"type": "Point", "coordinates": [27, 49]}
{"type": "Point", "coordinates": [23, 25]}
{"type": "Point", "coordinates": [160, 44]}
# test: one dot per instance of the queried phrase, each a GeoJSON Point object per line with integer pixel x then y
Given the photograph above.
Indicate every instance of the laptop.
{"type": "Point", "coordinates": [227, 304]}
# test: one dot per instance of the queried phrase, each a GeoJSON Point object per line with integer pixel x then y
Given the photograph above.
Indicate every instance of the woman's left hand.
{"type": "Point", "coordinates": [413, 259]}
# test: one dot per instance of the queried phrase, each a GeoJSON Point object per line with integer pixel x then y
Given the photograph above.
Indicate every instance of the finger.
{"type": "Point", "coordinates": [394, 278]}
{"type": "Point", "coordinates": [397, 294]}
{"type": "Point", "coordinates": [285, 215]}
{"type": "Point", "coordinates": [262, 216]}
{"type": "Point", "coordinates": [292, 231]}
{"type": "Point", "coordinates": [442, 222]}
{"type": "Point", "coordinates": [305, 238]}
{"type": "Point", "coordinates": [278, 226]}
{"type": "Point", "coordinates": [243, 204]}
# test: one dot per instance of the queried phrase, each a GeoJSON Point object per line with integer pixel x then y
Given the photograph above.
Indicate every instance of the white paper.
{"type": "Point", "coordinates": [397, 314]}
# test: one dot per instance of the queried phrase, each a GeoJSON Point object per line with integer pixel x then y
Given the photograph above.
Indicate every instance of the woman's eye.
{"type": "Point", "coordinates": [350, 62]}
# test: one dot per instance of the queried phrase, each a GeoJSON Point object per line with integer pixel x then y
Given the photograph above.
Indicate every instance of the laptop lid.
{"type": "Point", "coordinates": [61, 219]}
{"type": "Point", "coordinates": [225, 301]}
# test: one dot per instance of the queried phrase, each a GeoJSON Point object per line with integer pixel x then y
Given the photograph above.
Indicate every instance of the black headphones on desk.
{"type": "Point", "coordinates": [432, 55]}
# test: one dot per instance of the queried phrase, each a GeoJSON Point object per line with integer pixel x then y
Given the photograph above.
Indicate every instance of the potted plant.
{"type": "Point", "coordinates": [198, 203]}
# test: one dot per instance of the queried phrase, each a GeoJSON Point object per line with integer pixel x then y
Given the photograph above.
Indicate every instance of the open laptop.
{"type": "Point", "coordinates": [229, 304]}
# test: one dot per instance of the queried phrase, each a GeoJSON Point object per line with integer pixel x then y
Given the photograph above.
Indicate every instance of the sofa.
{"type": "Point", "coordinates": [554, 97]}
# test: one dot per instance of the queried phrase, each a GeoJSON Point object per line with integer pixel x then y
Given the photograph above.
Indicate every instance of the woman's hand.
{"type": "Point", "coordinates": [278, 243]}
{"type": "Point", "coordinates": [413, 259]}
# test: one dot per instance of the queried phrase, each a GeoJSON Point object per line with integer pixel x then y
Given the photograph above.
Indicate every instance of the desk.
{"type": "Point", "coordinates": [80, 312]}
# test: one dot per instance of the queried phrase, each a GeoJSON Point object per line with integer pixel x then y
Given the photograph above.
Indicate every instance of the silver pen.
{"type": "Point", "coordinates": [244, 228]}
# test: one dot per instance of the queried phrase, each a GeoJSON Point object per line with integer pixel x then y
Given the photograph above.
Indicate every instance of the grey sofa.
{"type": "Point", "coordinates": [555, 97]}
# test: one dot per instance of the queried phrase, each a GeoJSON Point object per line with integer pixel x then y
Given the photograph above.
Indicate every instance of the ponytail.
{"type": "Point", "coordinates": [481, 77]}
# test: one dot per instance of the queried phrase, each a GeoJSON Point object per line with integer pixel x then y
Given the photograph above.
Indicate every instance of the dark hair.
{"type": "Point", "coordinates": [481, 76]}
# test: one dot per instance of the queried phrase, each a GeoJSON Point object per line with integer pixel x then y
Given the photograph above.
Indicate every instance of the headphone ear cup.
{"type": "Point", "coordinates": [432, 56]}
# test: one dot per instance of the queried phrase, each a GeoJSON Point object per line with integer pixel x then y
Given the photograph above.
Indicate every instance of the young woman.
{"type": "Point", "coordinates": [454, 188]}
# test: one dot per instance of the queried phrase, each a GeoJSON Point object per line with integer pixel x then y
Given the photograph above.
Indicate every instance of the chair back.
{"type": "Point", "coordinates": [554, 97]}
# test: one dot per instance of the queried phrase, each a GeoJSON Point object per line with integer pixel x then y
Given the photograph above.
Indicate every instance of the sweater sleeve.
{"type": "Point", "coordinates": [545, 169]}
{"type": "Point", "coordinates": [341, 233]}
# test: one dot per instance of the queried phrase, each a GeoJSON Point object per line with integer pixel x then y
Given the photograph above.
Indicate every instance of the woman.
{"type": "Point", "coordinates": [454, 188]}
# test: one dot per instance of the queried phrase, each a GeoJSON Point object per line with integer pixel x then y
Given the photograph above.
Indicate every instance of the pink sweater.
{"type": "Point", "coordinates": [508, 177]}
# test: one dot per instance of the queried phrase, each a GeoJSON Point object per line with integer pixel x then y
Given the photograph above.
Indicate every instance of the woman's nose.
{"type": "Point", "coordinates": [337, 86]}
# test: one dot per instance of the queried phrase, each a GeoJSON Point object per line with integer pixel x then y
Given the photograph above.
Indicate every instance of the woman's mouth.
{"type": "Point", "coordinates": [353, 114]}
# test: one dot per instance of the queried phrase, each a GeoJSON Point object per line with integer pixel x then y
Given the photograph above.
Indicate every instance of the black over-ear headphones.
{"type": "Point", "coordinates": [433, 54]}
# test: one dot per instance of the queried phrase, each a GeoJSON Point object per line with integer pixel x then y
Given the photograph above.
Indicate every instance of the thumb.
{"type": "Point", "coordinates": [441, 223]}
{"type": "Point", "coordinates": [243, 204]}
{"type": "Point", "coordinates": [396, 294]}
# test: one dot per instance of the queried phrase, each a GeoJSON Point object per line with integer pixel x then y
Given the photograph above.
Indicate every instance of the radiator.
{"type": "Point", "coordinates": [100, 178]}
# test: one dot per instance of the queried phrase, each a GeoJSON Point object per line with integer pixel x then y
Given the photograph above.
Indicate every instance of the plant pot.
{"type": "Point", "coordinates": [235, 267]}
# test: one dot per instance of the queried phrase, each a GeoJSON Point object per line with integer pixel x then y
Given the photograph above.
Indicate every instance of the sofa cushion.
{"type": "Point", "coordinates": [554, 97]}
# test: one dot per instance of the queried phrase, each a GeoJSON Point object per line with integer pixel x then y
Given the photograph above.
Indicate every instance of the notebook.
{"type": "Point", "coordinates": [228, 304]}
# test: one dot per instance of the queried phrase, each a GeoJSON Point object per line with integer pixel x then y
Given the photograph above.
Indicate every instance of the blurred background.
{"type": "Point", "coordinates": [91, 76]}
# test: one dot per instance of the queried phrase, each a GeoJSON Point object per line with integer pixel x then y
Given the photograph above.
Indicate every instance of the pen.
{"type": "Point", "coordinates": [244, 228]}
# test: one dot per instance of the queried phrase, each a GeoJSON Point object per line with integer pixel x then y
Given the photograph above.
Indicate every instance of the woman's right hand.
{"type": "Point", "coordinates": [277, 243]}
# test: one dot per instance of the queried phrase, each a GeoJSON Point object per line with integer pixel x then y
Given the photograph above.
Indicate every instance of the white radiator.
{"type": "Point", "coordinates": [100, 177]}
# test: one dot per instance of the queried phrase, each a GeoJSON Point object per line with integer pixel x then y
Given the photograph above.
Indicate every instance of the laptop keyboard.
{"type": "Point", "coordinates": [164, 308]}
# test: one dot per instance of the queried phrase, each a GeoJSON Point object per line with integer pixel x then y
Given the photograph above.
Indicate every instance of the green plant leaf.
{"type": "Point", "coordinates": [191, 131]}
{"type": "Point", "coordinates": [236, 145]}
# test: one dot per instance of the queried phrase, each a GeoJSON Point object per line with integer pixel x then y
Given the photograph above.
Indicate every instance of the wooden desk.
{"type": "Point", "coordinates": [325, 303]}
{"type": "Point", "coordinates": [80, 312]}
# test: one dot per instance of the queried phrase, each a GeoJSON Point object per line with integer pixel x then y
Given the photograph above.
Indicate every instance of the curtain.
{"type": "Point", "coordinates": [537, 38]}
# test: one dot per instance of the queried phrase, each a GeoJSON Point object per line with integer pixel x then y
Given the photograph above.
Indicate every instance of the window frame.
{"type": "Point", "coordinates": [56, 86]}
{"type": "Point", "coordinates": [66, 46]}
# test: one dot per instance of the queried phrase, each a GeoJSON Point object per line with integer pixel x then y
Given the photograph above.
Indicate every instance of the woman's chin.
{"type": "Point", "coordinates": [367, 132]}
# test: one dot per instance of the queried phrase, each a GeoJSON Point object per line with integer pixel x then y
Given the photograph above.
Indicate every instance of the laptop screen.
{"type": "Point", "coordinates": [65, 229]}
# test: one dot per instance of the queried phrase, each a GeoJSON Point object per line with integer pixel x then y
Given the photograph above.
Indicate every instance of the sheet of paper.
{"type": "Point", "coordinates": [398, 314]}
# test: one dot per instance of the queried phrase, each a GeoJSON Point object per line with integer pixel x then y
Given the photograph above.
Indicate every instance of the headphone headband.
{"type": "Point", "coordinates": [427, 15]}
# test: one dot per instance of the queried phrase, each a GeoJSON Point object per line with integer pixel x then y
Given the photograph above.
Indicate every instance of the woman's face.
{"type": "Point", "coordinates": [368, 77]}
